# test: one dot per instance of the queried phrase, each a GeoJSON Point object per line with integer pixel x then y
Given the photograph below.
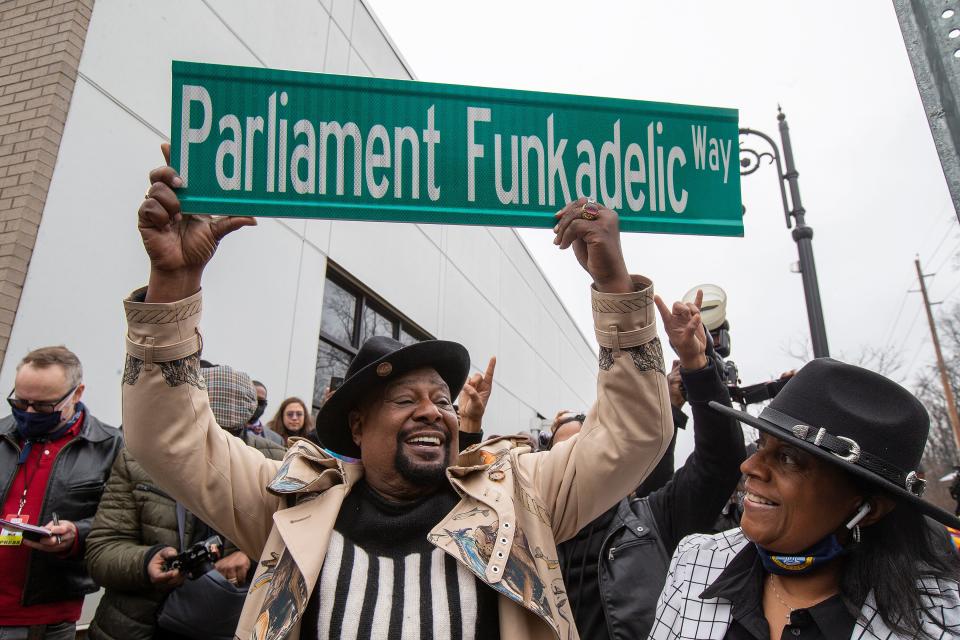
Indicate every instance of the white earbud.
{"type": "Point", "coordinates": [861, 514]}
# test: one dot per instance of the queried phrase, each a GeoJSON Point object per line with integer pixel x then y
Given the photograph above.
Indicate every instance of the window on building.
{"type": "Point", "coordinates": [352, 314]}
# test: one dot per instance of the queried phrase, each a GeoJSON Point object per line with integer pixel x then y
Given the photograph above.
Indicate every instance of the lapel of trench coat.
{"type": "Point", "coordinates": [495, 538]}
{"type": "Point", "coordinates": [317, 484]}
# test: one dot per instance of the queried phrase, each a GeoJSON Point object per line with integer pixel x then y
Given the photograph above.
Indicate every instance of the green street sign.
{"type": "Point", "coordinates": [250, 141]}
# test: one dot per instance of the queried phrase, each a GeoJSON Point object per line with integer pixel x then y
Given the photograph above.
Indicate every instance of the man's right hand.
{"type": "Point", "coordinates": [159, 577]}
{"type": "Point", "coordinates": [179, 246]}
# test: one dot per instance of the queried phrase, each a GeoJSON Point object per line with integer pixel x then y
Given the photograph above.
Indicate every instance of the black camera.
{"type": "Point", "coordinates": [198, 559]}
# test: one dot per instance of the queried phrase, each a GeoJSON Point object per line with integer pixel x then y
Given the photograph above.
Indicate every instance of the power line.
{"type": "Point", "coordinates": [952, 291]}
{"type": "Point", "coordinates": [896, 320]}
{"type": "Point", "coordinates": [940, 229]}
{"type": "Point", "coordinates": [950, 254]}
{"type": "Point", "coordinates": [945, 236]}
{"type": "Point", "coordinates": [910, 329]}
{"type": "Point", "coordinates": [916, 354]}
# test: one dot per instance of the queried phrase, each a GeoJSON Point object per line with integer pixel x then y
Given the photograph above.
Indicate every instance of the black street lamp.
{"type": "Point", "coordinates": [802, 234]}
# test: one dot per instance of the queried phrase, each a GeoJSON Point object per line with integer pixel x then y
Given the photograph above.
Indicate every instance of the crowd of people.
{"type": "Point", "coordinates": [391, 515]}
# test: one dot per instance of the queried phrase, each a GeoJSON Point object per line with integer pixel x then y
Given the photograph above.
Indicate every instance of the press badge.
{"type": "Point", "coordinates": [9, 537]}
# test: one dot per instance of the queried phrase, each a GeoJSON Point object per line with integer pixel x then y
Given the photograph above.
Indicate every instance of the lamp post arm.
{"type": "Point", "coordinates": [750, 161]}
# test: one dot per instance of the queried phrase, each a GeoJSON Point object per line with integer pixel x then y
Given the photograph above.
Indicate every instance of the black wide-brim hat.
{"type": "Point", "coordinates": [379, 361]}
{"type": "Point", "coordinates": [869, 426]}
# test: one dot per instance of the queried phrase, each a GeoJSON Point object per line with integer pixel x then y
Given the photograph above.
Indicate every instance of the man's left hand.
{"type": "Point", "coordinates": [67, 532]}
{"type": "Point", "coordinates": [473, 399]}
{"type": "Point", "coordinates": [234, 567]}
{"type": "Point", "coordinates": [594, 233]}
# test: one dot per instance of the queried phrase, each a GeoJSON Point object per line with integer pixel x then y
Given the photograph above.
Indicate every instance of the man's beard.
{"type": "Point", "coordinates": [423, 474]}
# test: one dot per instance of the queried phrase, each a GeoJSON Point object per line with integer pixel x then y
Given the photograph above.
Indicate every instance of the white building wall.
{"type": "Point", "coordinates": [264, 290]}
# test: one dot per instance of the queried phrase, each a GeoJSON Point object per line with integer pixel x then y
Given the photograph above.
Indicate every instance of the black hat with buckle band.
{"type": "Point", "coordinates": [379, 361]}
{"type": "Point", "coordinates": [856, 419]}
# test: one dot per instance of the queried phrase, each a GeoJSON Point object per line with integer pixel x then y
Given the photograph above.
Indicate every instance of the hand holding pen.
{"type": "Point", "coordinates": [63, 534]}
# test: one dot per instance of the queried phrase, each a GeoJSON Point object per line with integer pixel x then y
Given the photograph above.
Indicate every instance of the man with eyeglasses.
{"type": "Point", "coordinates": [54, 460]}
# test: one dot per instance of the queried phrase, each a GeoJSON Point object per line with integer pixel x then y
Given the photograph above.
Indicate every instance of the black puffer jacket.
{"type": "Point", "coordinates": [135, 520]}
{"type": "Point", "coordinates": [77, 479]}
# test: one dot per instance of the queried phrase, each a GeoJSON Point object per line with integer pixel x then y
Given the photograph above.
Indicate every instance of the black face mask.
{"type": "Point", "coordinates": [261, 407]}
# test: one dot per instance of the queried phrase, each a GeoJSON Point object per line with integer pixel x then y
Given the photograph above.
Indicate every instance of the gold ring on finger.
{"type": "Point", "coordinates": [589, 213]}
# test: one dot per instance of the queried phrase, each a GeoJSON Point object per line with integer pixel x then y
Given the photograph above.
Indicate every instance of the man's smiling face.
{"type": "Point", "coordinates": [406, 431]}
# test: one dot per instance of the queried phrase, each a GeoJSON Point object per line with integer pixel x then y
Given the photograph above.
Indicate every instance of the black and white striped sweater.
{"type": "Point", "coordinates": [382, 579]}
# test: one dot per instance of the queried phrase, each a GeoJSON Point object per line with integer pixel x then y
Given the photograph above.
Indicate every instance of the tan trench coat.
{"type": "Point", "coordinates": [515, 505]}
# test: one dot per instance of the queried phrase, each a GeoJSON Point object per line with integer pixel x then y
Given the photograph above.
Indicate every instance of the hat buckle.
{"type": "Point", "coordinates": [915, 484]}
{"type": "Point", "coordinates": [852, 456]}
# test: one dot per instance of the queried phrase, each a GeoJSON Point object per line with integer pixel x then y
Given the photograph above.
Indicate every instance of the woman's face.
{"type": "Point", "coordinates": [793, 500]}
{"type": "Point", "coordinates": [293, 416]}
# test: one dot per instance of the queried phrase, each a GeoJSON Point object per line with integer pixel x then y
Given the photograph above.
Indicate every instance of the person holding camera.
{"type": "Point", "coordinates": [413, 538]}
{"type": "Point", "coordinates": [614, 567]}
{"type": "Point", "coordinates": [144, 544]}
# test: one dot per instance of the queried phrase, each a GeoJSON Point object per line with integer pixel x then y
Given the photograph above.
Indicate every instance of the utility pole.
{"type": "Point", "coordinates": [944, 378]}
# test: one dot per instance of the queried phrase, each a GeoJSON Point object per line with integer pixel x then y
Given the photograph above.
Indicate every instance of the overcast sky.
{"type": "Point", "coordinates": [870, 177]}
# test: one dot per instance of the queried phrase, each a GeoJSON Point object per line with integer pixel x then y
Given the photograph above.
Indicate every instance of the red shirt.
{"type": "Point", "coordinates": [34, 473]}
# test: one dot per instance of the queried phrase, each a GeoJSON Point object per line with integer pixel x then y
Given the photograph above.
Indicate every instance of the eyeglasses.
{"type": "Point", "coordinates": [294, 414]}
{"type": "Point", "coordinates": [38, 405]}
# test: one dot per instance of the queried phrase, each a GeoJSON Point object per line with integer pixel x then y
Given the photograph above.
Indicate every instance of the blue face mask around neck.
{"type": "Point", "coordinates": [807, 560]}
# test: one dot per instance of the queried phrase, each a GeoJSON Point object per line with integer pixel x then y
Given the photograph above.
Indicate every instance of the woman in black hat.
{"type": "Point", "coordinates": [835, 540]}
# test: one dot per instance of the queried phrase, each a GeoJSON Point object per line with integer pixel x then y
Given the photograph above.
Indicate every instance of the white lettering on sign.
{"type": "Point", "coordinates": [625, 168]}
{"type": "Point", "coordinates": [190, 135]}
{"type": "Point", "coordinates": [474, 150]}
{"type": "Point", "coordinates": [719, 152]}
{"type": "Point", "coordinates": [641, 178]}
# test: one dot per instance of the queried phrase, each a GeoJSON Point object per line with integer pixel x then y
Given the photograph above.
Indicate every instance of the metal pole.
{"type": "Point", "coordinates": [803, 236]}
{"type": "Point", "coordinates": [944, 378]}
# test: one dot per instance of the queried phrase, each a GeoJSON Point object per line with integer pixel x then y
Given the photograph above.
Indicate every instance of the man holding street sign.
{"type": "Point", "coordinates": [411, 539]}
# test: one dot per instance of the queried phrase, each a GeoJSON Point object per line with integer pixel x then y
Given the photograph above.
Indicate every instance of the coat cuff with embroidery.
{"type": "Point", "coordinates": [625, 320]}
{"type": "Point", "coordinates": [162, 332]}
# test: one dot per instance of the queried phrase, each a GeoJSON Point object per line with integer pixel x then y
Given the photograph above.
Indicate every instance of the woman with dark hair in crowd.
{"type": "Point", "coordinates": [835, 540]}
{"type": "Point", "coordinates": [293, 420]}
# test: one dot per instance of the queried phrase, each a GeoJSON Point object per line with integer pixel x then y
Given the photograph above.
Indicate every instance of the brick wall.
{"type": "Point", "coordinates": [40, 46]}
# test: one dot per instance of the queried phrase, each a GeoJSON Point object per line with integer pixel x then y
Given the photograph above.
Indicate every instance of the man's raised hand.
{"type": "Point", "coordinates": [179, 246]}
{"type": "Point", "coordinates": [685, 331]}
{"type": "Point", "coordinates": [596, 242]}
{"type": "Point", "coordinates": [474, 398]}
